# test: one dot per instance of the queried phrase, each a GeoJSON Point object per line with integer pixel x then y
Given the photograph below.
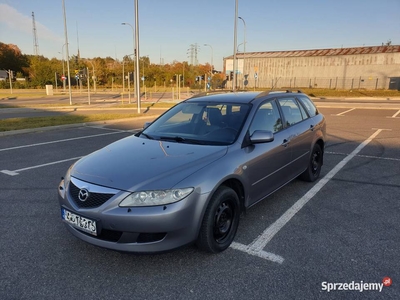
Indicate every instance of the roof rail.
{"type": "Point", "coordinates": [202, 94]}
{"type": "Point", "coordinates": [266, 93]}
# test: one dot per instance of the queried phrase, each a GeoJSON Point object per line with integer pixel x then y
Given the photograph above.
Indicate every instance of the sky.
{"type": "Point", "coordinates": [167, 29]}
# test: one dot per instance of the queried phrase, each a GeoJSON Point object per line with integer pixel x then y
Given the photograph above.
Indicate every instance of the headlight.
{"type": "Point", "coordinates": [152, 198]}
{"type": "Point", "coordinates": [67, 177]}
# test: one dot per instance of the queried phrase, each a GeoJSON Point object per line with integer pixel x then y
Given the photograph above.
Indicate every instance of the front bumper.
{"type": "Point", "coordinates": [139, 229]}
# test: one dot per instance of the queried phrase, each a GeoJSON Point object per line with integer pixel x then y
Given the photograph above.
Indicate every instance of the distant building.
{"type": "Point", "coordinates": [344, 68]}
{"type": "Point", "coordinates": [3, 75]}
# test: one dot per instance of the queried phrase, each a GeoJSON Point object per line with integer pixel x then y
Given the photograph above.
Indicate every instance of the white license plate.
{"type": "Point", "coordinates": [79, 222]}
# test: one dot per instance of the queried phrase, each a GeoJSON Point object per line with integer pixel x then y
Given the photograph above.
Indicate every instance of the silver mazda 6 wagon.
{"type": "Point", "coordinates": [188, 176]}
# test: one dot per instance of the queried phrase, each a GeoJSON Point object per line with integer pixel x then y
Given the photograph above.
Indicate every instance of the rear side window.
{"type": "Point", "coordinates": [309, 105]}
{"type": "Point", "coordinates": [291, 111]}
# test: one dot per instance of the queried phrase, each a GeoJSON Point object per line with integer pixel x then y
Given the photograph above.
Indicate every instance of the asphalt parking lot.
{"type": "Point", "coordinates": [325, 240]}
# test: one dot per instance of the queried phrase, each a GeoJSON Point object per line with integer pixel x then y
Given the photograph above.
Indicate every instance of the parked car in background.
{"type": "Point", "coordinates": [187, 176]}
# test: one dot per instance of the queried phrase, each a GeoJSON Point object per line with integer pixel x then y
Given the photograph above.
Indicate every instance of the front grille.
{"type": "Point", "coordinates": [105, 235]}
{"type": "Point", "coordinates": [94, 199]}
{"type": "Point", "coordinates": [150, 237]}
{"type": "Point", "coordinates": [127, 237]}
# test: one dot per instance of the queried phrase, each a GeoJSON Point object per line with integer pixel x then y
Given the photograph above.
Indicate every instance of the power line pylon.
{"type": "Point", "coordinates": [35, 39]}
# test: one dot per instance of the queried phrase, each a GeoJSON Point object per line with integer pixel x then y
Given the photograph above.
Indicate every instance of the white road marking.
{"type": "Point", "coordinates": [342, 113]}
{"type": "Point", "coordinates": [16, 172]}
{"type": "Point", "coordinates": [60, 141]}
{"type": "Point", "coordinates": [364, 156]}
{"type": "Point", "coordinates": [262, 254]}
{"type": "Point", "coordinates": [395, 115]}
{"type": "Point", "coordinates": [257, 246]}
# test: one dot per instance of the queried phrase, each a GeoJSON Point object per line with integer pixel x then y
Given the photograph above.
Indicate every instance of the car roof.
{"type": "Point", "coordinates": [241, 97]}
{"type": "Point", "coordinates": [231, 97]}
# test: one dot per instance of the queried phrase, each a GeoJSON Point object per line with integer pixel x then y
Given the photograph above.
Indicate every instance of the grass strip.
{"type": "Point", "coordinates": [36, 122]}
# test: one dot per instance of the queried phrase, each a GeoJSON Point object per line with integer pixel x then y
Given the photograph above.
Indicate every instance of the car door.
{"type": "Point", "coordinates": [300, 131]}
{"type": "Point", "coordinates": [267, 163]}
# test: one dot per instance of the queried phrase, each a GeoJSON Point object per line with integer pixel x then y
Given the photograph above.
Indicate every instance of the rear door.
{"type": "Point", "coordinates": [267, 163]}
{"type": "Point", "coordinates": [299, 128]}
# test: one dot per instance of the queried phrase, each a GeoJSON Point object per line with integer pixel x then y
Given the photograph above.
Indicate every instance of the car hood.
{"type": "Point", "coordinates": [134, 163]}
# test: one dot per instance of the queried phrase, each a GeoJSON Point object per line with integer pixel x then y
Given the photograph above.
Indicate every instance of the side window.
{"type": "Point", "coordinates": [309, 105]}
{"type": "Point", "coordinates": [291, 111]}
{"type": "Point", "coordinates": [267, 117]}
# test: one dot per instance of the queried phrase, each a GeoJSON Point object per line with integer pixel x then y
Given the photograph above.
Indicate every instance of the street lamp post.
{"type": "Point", "coordinates": [94, 76]}
{"type": "Point", "coordinates": [212, 56]}
{"type": "Point", "coordinates": [137, 86]}
{"type": "Point", "coordinates": [66, 43]}
{"type": "Point", "coordinates": [234, 47]}
{"type": "Point", "coordinates": [123, 79]}
{"type": "Point", "coordinates": [244, 48]}
{"type": "Point", "coordinates": [134, 53]}
{"type": "Point", "coordinates": [62, 53]}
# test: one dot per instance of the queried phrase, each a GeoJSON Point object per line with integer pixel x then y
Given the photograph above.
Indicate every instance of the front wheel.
{"type": "Point", "coordinates": [220, 221]}
{"type": "Point", "coordinates": [314, 166]}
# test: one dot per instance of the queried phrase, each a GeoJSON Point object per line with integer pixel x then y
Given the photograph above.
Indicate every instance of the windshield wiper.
{"type": "Point", "coordinates": [147, 136]}
{"type": "Point", "coordinates": [180, 139]}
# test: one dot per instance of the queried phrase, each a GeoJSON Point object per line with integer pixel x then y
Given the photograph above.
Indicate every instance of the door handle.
{"type": "Point", "coordinates": [312, 127]}
{"type": "Point", "coordinates": [285, 143]}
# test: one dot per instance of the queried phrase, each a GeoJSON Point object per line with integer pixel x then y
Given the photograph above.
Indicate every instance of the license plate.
{"type": "Point", "coordinates": [79, 222]}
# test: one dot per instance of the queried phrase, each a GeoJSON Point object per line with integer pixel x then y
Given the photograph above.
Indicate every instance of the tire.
{"type": "Point", "coordinates": [220, 221]}
{"type": "Point", "coordinates": [314, 166]}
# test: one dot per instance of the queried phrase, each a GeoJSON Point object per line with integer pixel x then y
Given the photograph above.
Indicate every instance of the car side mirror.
{"type": "Point", "coordinates": [261, 136]}
{"type": "Point", "coordinates": [147, 124]}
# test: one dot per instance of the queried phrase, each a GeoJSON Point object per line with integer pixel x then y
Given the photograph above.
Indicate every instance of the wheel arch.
{"type": "Point", "coordinates": [238, 187]}
{"type": "Point", "coordinates": [321, 143]}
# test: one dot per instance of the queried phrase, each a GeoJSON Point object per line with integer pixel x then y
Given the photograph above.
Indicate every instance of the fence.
{"type": "Point", "coordinates": [346, 83]}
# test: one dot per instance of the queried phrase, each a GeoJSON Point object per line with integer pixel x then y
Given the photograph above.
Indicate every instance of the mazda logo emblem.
{"type": "Point", "coordinates": [83, 195]}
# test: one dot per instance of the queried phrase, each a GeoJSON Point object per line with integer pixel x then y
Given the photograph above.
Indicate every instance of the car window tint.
{"type": "Point", "coordinates": [291, 111]}
{"type": "Point", "coordinates": [267, 117]}
{"type": "Point", "coordinates": [302, 110]}
{"type": "Point", "coordinates": [309, 105]}
{"type": "Point", "coordinates": [179, 118]}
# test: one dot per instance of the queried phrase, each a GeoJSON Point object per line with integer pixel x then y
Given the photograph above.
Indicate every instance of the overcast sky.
{"type": "Point", "coordinates": [169, 28]}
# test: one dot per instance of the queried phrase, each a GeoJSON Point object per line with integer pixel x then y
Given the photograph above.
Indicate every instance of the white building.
{"type": "Point", "coordinates": [344, 68]}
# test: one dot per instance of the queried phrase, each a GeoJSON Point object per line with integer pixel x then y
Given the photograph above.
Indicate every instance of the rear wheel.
{"type": "Point", "coordinates": [220, 221]}
{"type": "Point", "coordinates": [314, 165]}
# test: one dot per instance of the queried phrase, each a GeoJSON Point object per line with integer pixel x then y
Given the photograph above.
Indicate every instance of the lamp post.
{"type": "Point", "coordinates": [94, 76]}
{"type": "Point", "coordinates": [134, 53]}
{"type": "Point", "coordinates": [137, 86]}
{"type": "Point", "coordinates": [244, 47]}
{"type": "Point", "coordinates": [123, 79]}
{"type": "Point", "coordinates": [212, 56]}
{"type": "Point", "coordinates": [66, 43]}
{"type": "Point", "coordinates": [234, 47]}
{"type": "Point", "coordinates": [62, 53]}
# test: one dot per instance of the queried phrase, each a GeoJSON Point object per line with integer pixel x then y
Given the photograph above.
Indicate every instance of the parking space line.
{"type": "Point", "coordinates": [113, 129]}
{"type": "Point", "coordinates": [16, 172]}
{"type": "Point", "coordinates": [257, 246]}
{"type": "Point", "coordinates": [342, 113]}
{"type": "Point", "coordinates": [395, 115]}
{"type": "Point", "coordinates": [60, 141]}
{"type": "Point", "coordinates": [364, 156]}
{"type": "Point", "coordinates": [262, 254]}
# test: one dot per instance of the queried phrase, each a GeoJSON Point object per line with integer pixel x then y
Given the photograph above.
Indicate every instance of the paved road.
{"type": "Point", "coordinates": [341, 229]}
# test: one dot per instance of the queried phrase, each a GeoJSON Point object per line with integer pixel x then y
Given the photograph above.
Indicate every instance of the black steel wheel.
{"type": "Point", "coordinates": [220, 221]}
{"type": "Point", "coordinates": [314, 167]}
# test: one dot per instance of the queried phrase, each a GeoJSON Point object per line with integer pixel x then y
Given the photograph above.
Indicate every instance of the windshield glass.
{"type": "Point", "coordinates": [199, 123]}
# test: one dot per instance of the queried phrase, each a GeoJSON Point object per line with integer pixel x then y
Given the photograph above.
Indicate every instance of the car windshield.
{"type": "Point", "coordinates": [199, 123]}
